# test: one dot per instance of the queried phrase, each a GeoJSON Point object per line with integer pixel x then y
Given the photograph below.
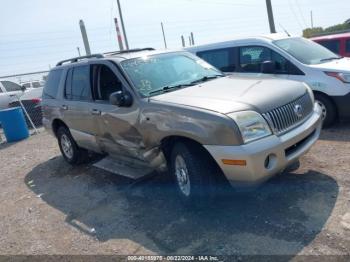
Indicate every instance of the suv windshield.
{"type": "Point", "coordinates": [165, 72]}
{"type": "Point", "coordinates": [306, 51]}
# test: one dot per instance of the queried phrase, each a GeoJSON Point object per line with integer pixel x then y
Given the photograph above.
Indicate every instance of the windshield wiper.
{"type": "Point", "coordinates": [205, 78]}
{"type": "Point", "coordinates": [331, 58]}
{"type": "Point", "coordinates": [168, 88]}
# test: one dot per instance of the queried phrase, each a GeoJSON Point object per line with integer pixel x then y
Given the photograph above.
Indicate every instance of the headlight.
{"type": "Point", "coordinates": [251, 124]}
{"type": "Point", "coordinates": [344, 77]}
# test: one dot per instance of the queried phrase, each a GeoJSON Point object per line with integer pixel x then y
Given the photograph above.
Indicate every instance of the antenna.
{"type": "Point", "coordinates": [284, 29]}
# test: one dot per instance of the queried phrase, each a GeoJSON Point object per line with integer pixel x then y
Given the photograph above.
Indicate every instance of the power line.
{"type": "Point", "coordinates": [295, 16]}
{"type": "Point", "coordinates": [301, 13]}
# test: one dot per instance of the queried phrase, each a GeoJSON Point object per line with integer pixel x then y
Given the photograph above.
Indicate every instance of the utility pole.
{"type": "Point", "coordinates": [78, 51]}
{"type": "Point", "coordinates": [119, 35]}
{"type": "Point", "coordinates": [123, 26]}
{"type": "Point", "coordinates": [192, 38]}
{"type": "Point", "coordinates": [183, 41]}
{"type": "Point", "coordinates": [85, 38]}
{"type": "Point", "coordinates": [312, 19]}
{"type": "Point", "coordinates": [163, 35]}
{"type": "Point", "coordinates": [270, 16]}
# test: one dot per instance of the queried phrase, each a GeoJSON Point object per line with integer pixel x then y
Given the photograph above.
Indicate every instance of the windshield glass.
{"type": "Point", "coordinates": [163, 71]}
{"type": "Point", "coordinates": [306, 51]}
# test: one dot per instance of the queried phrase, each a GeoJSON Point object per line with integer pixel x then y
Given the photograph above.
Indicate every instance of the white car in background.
{"type": "Point", "coordinates": [11, 91]}
{"type": "Point", "coordinates": [294, 58]}
{"type": "Point", "coordinates": [33, 84]}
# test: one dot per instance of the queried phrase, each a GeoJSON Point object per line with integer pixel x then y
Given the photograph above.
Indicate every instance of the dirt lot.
{"type": "Point", "coordinates": [49, 207]}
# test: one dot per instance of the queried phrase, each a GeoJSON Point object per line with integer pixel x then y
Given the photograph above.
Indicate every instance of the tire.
{"type": "Point", "coordinates": [328, 109]}
{"type": "Point", "coordinates": [293, 167]}
{"type": "Point", "coordinates": [69, 149]}
{"type": "Point", "coordinates": [193, 173]}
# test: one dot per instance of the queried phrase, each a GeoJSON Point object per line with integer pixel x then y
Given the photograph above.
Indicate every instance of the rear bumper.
{"type": "Point", "coordinates": [283, 151]}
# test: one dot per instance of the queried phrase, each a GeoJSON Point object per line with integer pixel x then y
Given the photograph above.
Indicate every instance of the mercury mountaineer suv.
{"type": "Point", "coordinates": [171, 110]}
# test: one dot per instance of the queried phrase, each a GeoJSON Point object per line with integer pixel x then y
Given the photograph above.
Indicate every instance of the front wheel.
{"type": "Point", "coordinates": [328, 109]}
{"type": "Point", "coordinates": [193, 172]}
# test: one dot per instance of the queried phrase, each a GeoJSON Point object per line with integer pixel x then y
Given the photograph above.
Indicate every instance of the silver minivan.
{"type": "Point", "coordinates": [284, 57]}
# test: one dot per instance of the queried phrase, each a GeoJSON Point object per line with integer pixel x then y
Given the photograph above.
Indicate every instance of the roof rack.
{"type": "Point", "coordinates": [129, 51]}
{"type": "Point", "coordinates": [76, 59]}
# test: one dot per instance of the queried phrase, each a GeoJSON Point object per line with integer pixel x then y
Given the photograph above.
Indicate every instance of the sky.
{"type": "Point", "coordinates": [36, 34]}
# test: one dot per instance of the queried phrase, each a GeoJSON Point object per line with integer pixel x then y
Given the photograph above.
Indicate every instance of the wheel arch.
{"type": "Point", "coordinates": [330, 99]}
{"type": "Point", "coordinates": [167, 143]}
{"type": "Point", "coordinates": [56, 124]}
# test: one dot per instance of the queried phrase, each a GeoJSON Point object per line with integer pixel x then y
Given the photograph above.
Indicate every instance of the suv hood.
{"type": "Point", "coordinates": [231, 93]}
{"type": "Point", "coordinates": [340, 65]}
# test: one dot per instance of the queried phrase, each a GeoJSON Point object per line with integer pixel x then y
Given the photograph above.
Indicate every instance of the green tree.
{"type": "Point", "coordinates": [310, 32]}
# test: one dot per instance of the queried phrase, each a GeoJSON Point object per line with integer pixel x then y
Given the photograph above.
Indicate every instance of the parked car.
{"type": "Point", "coordinates": [285, 57]}
{"type": "Point", "coordinates": [8, 93]}
{"type": "Point", "coordinates": [156, 109]}
{"type": "Point", "coordinates": [11, 91]}
{"type": "Point", "coordinates": [31, 100]}
{"type": "Point", "coordinates": [337, 43]}
{"type": "Point", "coordinates": [33, 84]}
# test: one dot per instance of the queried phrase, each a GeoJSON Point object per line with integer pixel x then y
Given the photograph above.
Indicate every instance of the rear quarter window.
{"type": "Point", "coordinates": [52, 84]}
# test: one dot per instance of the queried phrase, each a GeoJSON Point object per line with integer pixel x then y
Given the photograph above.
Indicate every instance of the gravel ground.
{"type": "Point", "coordinates": [49, 207]}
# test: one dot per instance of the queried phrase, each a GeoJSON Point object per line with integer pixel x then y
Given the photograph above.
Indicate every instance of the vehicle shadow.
{"type": "Point", "coordinates": [338, 132]}
{"type": "Point", "coordinates": [281, 217]}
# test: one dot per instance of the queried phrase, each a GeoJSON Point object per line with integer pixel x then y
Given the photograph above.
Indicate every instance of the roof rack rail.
{"type": "Point", "coordinates": [76, 59]}
{"type": "Point", "coordinates": [130, 51]}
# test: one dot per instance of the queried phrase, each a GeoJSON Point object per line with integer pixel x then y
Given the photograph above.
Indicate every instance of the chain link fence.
{"type": "Point", "coordinates": [29, 100]}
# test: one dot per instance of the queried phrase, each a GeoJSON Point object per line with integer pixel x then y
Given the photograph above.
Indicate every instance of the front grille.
{"type": "Point", "coordinates": [286, 117]}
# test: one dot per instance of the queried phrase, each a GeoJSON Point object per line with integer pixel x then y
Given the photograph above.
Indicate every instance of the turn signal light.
{"type": "Point", "coordinates": [233, 162]}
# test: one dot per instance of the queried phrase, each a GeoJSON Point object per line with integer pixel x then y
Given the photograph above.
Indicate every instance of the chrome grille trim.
{"type": "Point", "coordinates": [284, 118]}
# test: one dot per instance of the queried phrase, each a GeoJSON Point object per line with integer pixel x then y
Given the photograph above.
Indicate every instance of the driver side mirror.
{"type": "Point", "coordinates": [268, 67]}
{"type": "Point", "coordinates": [23, 88]}
{"type": "Point", "coordinates": [121, 99]}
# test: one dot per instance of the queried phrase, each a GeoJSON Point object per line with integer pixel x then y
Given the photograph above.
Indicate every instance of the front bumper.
{"type": "Point", "coordinates": [283, 150]}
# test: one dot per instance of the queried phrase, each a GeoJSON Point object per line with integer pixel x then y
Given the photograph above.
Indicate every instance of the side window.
{"type": "Point", "coordinates": [107, 83]}
{"type": "Point", "coordinates": [280, 62]}
{"type": "Point", "coordinates": [80, 86]}
{"type": "Point", "coordinates": [26, 85]}
{"type": "Point", "coordinates": [251, 57]}
{"type": "Point", "coordinates": [36, 84]}
{"type": "Point", "coordinates": [333, 45]}
{"type": "Point", "coordinates": [11, 86]}
{"type": "Point", "coordinates": [347, 46]}
{"type": "Point", "coordinates": [52, 84]}
{"type": "Point", "coordinates": [220, 58]}
{"type": "Point", "coordinates": [68, 85]}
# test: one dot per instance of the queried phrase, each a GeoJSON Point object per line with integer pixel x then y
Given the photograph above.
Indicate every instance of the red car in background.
{"type": "Point", "coordinates": [337, 43]}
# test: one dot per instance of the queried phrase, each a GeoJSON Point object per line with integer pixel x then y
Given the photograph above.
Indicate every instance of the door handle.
{"type": "Point", "coordinates": [95, 112]}
{"type": "Point", "coordinates": [64, 107]}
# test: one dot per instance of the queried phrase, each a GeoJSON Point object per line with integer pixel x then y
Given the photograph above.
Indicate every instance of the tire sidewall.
{"type": "Point", "coordinates": [330, 109]}
{"type": "Point", "coordinates": [200, 185]}
{"type": "Point", "coordinates": [64, 131]}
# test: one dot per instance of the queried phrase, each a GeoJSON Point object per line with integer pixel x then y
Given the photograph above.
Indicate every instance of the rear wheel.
{"type": "Point", "coordinates": [69, 149]}
{"type": "Point", "coordinates": [329, 113]}
{"type": "Point", "coordinates": [193, 172]}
